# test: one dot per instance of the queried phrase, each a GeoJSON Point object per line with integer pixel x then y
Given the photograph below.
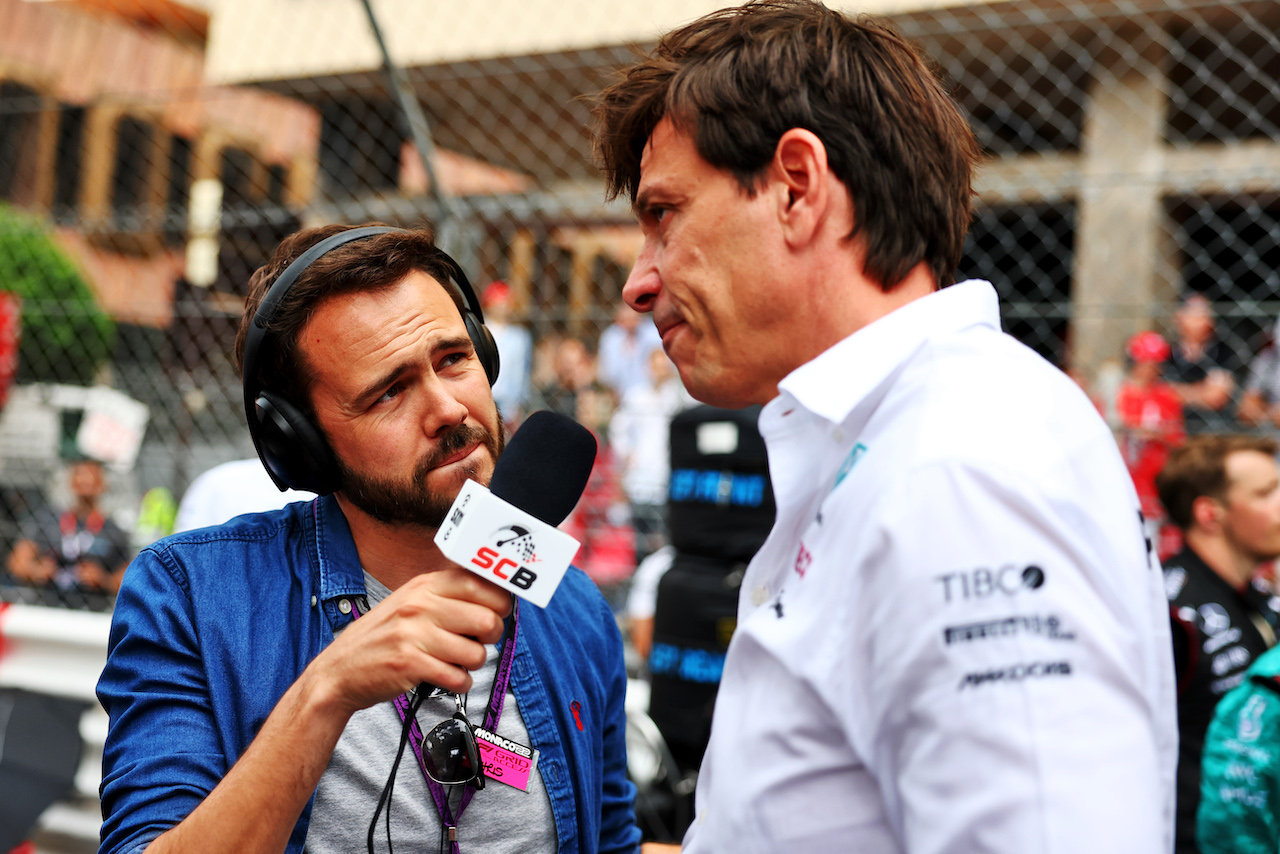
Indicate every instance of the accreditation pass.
{"type": "Point", "coordinates": [504, 760]}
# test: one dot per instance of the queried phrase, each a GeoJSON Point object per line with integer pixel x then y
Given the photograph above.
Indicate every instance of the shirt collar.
{"type": "Point", "coordinates": [336, 557]}
{"type": "Point", "coordinates": [832, 384]}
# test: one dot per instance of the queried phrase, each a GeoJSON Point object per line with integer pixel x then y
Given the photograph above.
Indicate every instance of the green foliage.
{"type": "Point", "coordinates": [65, 334]}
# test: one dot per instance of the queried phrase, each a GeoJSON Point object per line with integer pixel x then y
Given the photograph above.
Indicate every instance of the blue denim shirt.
{"type": "Point", "coordinates": [211, 627]}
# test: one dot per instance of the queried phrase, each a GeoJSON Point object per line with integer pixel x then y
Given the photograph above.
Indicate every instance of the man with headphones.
{"type": "Point", "coordinates": [265, 677]}
{"type": "Point", "coordinates": [1223, 493]}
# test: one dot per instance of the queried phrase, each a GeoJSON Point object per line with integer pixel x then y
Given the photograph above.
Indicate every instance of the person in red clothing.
{"type": "Point", "coordinates": [1151, 426]}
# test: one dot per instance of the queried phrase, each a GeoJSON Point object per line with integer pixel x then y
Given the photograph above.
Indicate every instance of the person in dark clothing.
{"type": "Point", "coordinates": [1201, 367]}
{"type": "Point", "coordinates": [77, 550]}
{"type": "Point", "coordinates": [1223, 491]}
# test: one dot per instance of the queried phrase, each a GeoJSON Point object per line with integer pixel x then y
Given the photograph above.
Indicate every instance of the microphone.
{"type": "Point", "coordinates": [506, 534]}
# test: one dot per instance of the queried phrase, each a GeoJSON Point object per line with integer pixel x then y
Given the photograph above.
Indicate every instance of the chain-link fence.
{"type": "Point", "coordinates": [152, 154]}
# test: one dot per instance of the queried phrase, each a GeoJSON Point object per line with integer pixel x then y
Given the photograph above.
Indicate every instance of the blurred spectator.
{"type": "Point", "coordinates": [1150, 416]}
{"type": "Point", "coordinates": [642, 599]}
{"type": "Point", "coordinates": [624, 350]}
{"type": "Point", "coordinates": [229, 490]}
{"type": "Point", "coordinates": [1260, 403]}
{"type": "Point", "coordinates": [1224, 493]}
{"type": "Point", "coordinates": [157, 514]}
{"type": "Point", "coordinates": [572, 372]}
{"type": "Point", "coordinates": [600, 523]}
{"type": "Point", "coordinates": [77, 549]}
{"type": "Point", "coordinates": [515, 354]}
{"type": "Point", "coordinates": [1201, 367]}
{"type": "Point", "coordinates": [640, 433]}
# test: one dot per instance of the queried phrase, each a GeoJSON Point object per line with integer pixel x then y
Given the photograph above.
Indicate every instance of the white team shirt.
{"type": "Point", "coordinates": [955, 638]}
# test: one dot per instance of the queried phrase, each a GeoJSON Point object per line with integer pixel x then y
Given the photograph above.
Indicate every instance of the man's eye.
{"type": "Point", "coordinates": [390, 393]}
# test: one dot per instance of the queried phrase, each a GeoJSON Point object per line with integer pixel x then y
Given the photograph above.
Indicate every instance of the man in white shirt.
{"type": "Point", "coordinates": [955, 638]}
{"type": "Point", "coordinates": [230, 490]}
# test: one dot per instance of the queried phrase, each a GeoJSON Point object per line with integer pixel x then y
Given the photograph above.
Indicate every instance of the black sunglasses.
{"type": "Point", "coordinates": [450, 753]}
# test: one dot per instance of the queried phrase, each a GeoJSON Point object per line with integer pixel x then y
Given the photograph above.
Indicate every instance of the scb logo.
{"type": "Point", "coordinates": [512, 539]}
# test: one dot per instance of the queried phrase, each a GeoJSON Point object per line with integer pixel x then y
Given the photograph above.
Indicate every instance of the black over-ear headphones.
{"type": "Point", "coordinates": [292, 448]}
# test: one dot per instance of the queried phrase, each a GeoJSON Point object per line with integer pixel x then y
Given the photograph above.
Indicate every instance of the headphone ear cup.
{"type": "Point", "coordinates": [486, 347]}
{"type": "Point", "coordinates": [292, 447]}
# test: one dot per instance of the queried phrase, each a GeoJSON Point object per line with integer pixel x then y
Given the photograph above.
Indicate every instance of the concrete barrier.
{"type": "Point", "coordinates": [61, 652]}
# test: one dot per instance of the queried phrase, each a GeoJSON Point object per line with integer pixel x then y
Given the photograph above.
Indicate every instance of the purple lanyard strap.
{"type": "Point", "coordinates": [497, 694]}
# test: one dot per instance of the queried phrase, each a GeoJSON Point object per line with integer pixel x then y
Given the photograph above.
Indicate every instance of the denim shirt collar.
{"type": "Point", "coordinates": [335, 561]}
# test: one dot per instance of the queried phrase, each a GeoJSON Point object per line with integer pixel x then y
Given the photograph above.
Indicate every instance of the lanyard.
{"type": "Point", "coordinates": [497, 695]}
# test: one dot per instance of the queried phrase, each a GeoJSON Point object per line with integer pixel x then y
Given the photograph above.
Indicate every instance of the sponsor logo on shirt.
{"type": "Point", "coordinates": [1049, 627]}
{"type": "Point", "coordinates": [1214, 618]}
{"type": "Point", "coordinates": [803, 558]}
{"type": "Point", "coordinates": [1218, 687]}
{"type": "Point", "coordinates": [982, 583]}
{"type": "Point", "coordinates": [1174, 580]}
{"type": "Point", "coordinates": [1217, 642]}
{"type": "Point", "coordinates": [849, 462]}
{"type": "Point", "coordinates": [1015, 673]}
{"type": "Point", "coordinates": [1249, 723]}
{"type": "Point", "coordinates": [1230, 659]}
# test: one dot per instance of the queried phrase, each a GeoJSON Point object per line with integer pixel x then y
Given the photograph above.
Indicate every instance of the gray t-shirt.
{"type": "Point", "coordinates": [499, 819]}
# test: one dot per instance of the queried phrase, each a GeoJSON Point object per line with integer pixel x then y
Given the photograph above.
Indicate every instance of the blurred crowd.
{"type": "Point", "coordinates": [621, 386]}
{"type": "Point", "coordinates": [1165, 389]}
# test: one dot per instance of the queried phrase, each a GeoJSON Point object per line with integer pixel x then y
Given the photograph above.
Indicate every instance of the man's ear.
{"type": "Point", "coordinates": [1206, 513]}
{"type": "Point", "coordinates": [804, 183]}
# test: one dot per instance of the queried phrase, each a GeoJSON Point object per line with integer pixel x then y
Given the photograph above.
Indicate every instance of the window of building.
{"type": "Point", "coordinates": [236, 173]}
{"type": "Point", "coordinates": [360, 146]}
{"type": "Point", "coordinates": [67, 164]}
{"type": "Point", "coordinates": [130, 176]}
{"type": "Point", "coordinates": [1225, 79]}
{"type": "Point", "coordinates": [1230, 252]}
{"type": "Point", "coordinates": [20, 109]}
{"type": "Point", "coordinates": [1020, 96]}
{"type": "Point", "coordinates": [277, 183]}
{"type": "Point", "coordinates": [1027, 252]}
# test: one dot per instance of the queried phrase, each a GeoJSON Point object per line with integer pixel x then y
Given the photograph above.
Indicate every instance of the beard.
{"type": "Point", "coordinates": [410, 501]}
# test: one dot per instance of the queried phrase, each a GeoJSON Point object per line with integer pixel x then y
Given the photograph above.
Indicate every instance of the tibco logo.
{"type": "Point", "coordinates": [982, 583]}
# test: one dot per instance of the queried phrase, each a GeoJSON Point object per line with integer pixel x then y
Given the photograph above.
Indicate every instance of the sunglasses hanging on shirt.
{"type": "Point", "coordinates": [449, 750]}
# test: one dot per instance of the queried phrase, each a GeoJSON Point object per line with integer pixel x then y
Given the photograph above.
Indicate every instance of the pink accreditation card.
{"type": "Point", "coordinates": [504, 760]}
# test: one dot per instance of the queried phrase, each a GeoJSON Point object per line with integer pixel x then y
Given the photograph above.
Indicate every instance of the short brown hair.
{"type": "Point", "coordinates": [1199, 468]}
{"type": "Point", "coordinates": [738, 79]}
{"type": "Point", "coordinates": [370, 264]}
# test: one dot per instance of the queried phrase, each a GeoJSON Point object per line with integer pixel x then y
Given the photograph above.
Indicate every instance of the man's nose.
{"type": "Point", "coordinates": [443, 410]}
{"type": "Point", "coordinates": [642, 286]}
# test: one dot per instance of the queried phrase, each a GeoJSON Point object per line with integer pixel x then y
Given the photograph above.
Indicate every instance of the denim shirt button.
{"type": "Point", "coordinates": [344, 605]}
{"type": "Point", "coordinates": [313, 601]}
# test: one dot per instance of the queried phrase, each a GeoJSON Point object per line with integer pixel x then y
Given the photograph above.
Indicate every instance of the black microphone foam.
{"type": "Point", "coordinates": [545, 466]}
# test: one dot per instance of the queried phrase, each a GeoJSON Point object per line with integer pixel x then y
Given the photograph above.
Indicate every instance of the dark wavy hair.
{"type": "Point", "coordinates": [738, 79]}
